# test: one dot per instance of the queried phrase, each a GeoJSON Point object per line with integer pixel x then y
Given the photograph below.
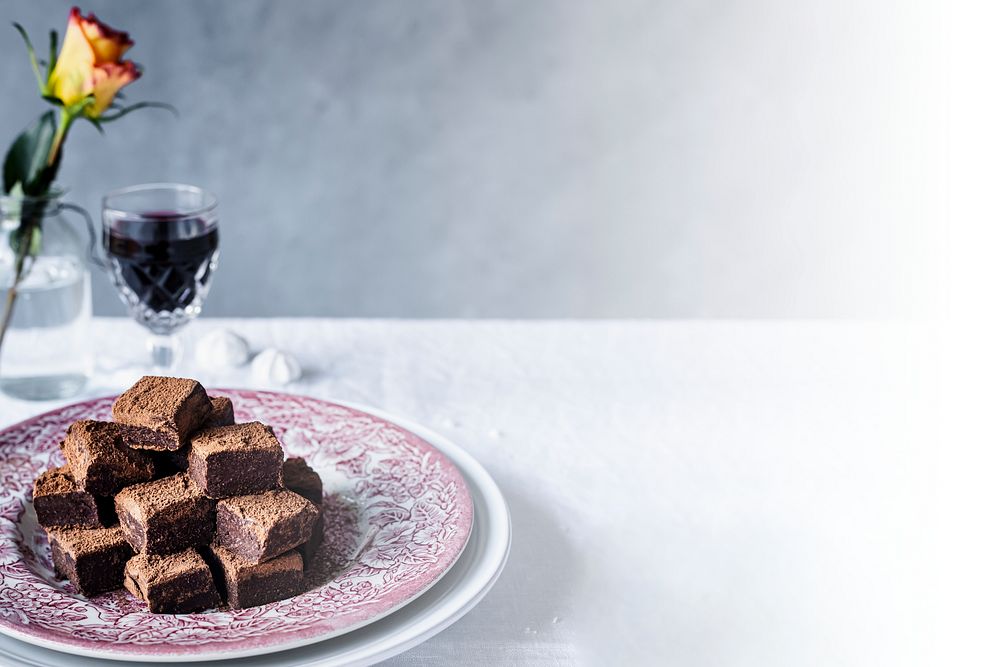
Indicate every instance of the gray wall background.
{"type": "Point", "coordinates": [724, 158]}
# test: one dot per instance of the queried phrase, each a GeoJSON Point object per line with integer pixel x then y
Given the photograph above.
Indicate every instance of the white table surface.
{"type": "Point", "coordinates": [682, 493]}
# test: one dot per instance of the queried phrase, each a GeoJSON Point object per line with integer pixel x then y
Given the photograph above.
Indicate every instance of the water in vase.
{"type": "Point", "coordinates": [47, 351]}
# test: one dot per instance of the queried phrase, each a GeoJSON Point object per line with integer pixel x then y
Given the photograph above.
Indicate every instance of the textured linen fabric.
{"type": "Point", "coordinates": [682, 493]}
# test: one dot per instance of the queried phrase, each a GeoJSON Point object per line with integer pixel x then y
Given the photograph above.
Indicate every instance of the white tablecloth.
{"type": "Point", "coordinates": [683, 493]}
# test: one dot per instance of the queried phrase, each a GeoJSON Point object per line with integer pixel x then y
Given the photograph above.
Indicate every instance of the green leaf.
{"type": "Point", "coordinates": [31, 56]}
{"type": "Point", "coordinates": [121, 113]}
{"type": "Point", "coordinates": [26, 160]}
{"type": "Point", "coordinates": [53, 44]}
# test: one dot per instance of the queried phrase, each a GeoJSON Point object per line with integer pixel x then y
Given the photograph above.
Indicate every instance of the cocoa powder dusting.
{"type": "Point", "coordinates": [91, 444]}
{"type": "Point", "coordinates": [163, 404]}
{"type": "Point", "coordinates": [237, 567]}
{"type": "Point", "coordinates": [55, 480]}
{"type": "Point", "coordinates": [236, 437]}
{"type": "Point", "coordinates": [81, 541]}
{"type": "Point", "coordinates": [151, 497]}
{"type": "Point", "coordinates": [149, 569]}
{"type": "Point", "coordinates": [263, 510]}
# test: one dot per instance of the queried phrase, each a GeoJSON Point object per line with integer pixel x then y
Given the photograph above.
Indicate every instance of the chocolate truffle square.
{"type": "Point", "coordinates": [178, 583]}
{"type": "Point", "coordinates": [165, 516]}
{"type": "Point", "coordinates": [260, 527]}
{"type": "Point", "coordinates": [221, 414]}
{"type": "Point", "coordinates": [59, 502]}
{"type": "Point", "coordinates": [244, 584]}
{"type": "Point", "coordinates": [235, 460]}
{"type": "Point", "coordinates": [176, 407]}
{"type": "Point", "coordinates": [310, 547]}
{"type": "Point", "coordinates": [92, 558]}
{"type": "Point", "coordinates": [297, 476]}
{"type": "Point", "coordinates": [99, 460]}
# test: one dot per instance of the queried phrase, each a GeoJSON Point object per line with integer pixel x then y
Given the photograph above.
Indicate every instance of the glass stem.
{"type": "Point", "coordinates": [166, 352]}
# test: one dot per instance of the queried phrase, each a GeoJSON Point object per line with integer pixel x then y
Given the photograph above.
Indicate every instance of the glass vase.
{"type": "Point", "coordinates": [46, 352]}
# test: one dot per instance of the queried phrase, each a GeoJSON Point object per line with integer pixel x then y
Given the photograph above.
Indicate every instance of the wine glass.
{"type": "Point", "coordinates": [162, 246]}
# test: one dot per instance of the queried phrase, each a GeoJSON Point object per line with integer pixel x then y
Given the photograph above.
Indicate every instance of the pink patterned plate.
{"type": "Point", "coordinates": [398, 515]}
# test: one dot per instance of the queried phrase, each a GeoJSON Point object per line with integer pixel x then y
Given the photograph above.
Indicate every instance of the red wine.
{"type": "Point", "coordinates": [164, 274]}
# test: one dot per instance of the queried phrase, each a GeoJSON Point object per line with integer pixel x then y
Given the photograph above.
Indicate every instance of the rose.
{"type": "Point", "coordinates": [82, 82]}
{"type": "Point", "coordinates": [90, 65]}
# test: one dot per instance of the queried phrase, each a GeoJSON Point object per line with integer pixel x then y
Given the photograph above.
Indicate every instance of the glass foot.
{"type": "Point", "coordinates": [43, 387]}
{"type": "Point", "coordinates": [166, 352]}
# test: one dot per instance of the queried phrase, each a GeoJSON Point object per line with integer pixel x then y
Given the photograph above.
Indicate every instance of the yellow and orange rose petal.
{"type": "Point", "coordinates": [71, 78]}
{"type": "Point", "coordinates": [109, 78]}
{"type": "Point", "coordinates": [109, 45]}
{"type": "Point", "coordinates": [90, 63]}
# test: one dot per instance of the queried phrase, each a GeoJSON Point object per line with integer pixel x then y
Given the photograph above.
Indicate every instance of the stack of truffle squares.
{"type": "Point", "coordinates": [184, 507]}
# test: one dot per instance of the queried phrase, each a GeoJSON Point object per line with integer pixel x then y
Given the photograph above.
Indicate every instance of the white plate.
{"type": "Point", "coordinates": [448, 600]}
